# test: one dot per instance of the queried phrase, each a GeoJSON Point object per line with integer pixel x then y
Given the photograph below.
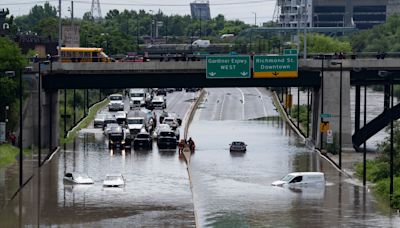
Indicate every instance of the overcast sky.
{"type": "Point", "coordinates": [244, 10]}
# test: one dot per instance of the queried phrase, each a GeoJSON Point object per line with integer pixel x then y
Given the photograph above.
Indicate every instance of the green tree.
{"type": "Point", "coordinates": [10, 56]}
{"type": "Point", "coordinates": [318, 43]}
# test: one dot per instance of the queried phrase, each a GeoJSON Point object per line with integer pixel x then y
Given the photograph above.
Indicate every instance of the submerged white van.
{"type": "Point", "coordinates": [301, 179]}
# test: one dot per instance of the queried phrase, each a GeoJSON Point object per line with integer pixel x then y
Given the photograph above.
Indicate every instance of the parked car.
{"type": "Point", "coordinates": [166, 139]}
{"type": "Point", "coordinates": [159, 128]}
{"type": "Point", "coordinates": [143, 140]}
{"type": "Point", "coordinates": [121, 117]}
{"type": "Point", "coordinates": [99, 120]}
{"type": "Point", "coordinates": [161, 91]}
{"type": "Point", "coordinates": [237, 146]}
{"type": "Point", "coordinates": [77, 178]}
{"type": "Point", "coordinates": [192, 89]}
{"type": "Point", "coordinates": [108, 128]}
{"type": "Point", "coordinates": [108, 120]}
{"type": "Point", "coordinates": [114, 180]}
{"type": "Point", "coordinates": [116, 137]}
{"type": "Point", "coordinates": [171, 121]}
{"type": "Point", "coordinates": [298, 179]}
{"type": "Point", "coordinates": [159, 102]}
{"type": "Point", "coordinates": [116, 102]}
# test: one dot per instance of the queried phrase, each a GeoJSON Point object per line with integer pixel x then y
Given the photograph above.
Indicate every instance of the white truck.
{"type": "Point", "coordinates": [138, 98]}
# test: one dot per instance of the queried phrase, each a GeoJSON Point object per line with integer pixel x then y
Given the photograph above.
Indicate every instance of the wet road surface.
{"type": "Point", "coordinates": [234, 189]}
{"type": "Point", "coordinates": [157, 191]}
{"type": "Point", "coordinates": [229, 189]}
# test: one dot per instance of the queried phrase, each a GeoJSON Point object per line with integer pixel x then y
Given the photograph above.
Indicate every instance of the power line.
{"type": "Point", "coordinates": [26, 3]}
{"type": "Point", "coordinates": [176, 5]}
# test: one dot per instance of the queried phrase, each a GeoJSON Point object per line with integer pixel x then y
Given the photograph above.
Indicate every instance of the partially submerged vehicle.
{"type": "Point", "coordinates": [237, 146]}
{"type": "Point", "coordinates": [114, 180]}
{"type": "Point", "coordinates": [78, 178]}
{"type": "Point", "coordinates": [301, 179]}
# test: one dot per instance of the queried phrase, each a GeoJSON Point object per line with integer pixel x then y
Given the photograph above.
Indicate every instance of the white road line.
{"type": "Point", "coordinates": [243, 101]}
{"type": "Point", "coordinates": [222, 107]}
{"type": "Point", "coordinates": [262, 101]}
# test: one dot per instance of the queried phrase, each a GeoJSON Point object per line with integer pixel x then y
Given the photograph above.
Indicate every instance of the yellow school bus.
{"type": "Point", "coordinates": [81, 54]}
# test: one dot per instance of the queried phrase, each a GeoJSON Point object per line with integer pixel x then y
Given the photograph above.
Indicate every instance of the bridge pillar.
{"type": "Point", "coordinates": [51, 119]}
{"type": "Point", "coordinates": [331, 102]}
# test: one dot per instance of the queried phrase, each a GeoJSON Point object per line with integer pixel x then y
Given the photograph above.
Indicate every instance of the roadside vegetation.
{"type": "Point", "coordinates": [378, 169]}
{"type": "Point", "coordinates": [11, 59]}
{"type": "Point", "coordinates": [85, 122]}
{"type": "Point", "coordinates": [8, 154]}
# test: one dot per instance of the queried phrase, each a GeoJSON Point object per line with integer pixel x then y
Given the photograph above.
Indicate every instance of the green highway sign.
{"type": "Point", "coordinates": [290, 52]}
{"type": "Point", "coordinates": [275, 66]}
{"type": "Point", "coordinates": [237, 66]}
{"type": "Point", "coordinates": [326, 115]}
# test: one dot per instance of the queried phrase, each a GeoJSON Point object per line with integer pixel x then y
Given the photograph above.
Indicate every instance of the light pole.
{"type": "Point", "coordinates": [137, 32]}
{"type": "Point", "coordinates": [340, 111]}
{"type": "Point", "coordinates": [151, 26]}
{"type": "Point", "coordinates": [391, 161]}
{"type": "Point", "coordinates": [255, 18]}
{"type": "Point", "coordinates": [305, 30]}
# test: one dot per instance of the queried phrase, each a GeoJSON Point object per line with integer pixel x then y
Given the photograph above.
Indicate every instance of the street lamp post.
{"type": "Point", "coordinates": [340, 111]}
{"type": "Point", "coordinates": [21, 154]}
{"type": "Point", "coordinates": [255, 19]}
{"type": "Point", "coordinates": [391, 161]}
{"type": "Point", "coordinates": [151, 25]}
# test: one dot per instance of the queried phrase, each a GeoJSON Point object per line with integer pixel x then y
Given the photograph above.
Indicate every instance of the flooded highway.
{"type": "Point", "coordinates": [221, 189]}
{"type": "Point", "coordinates": [156, 194]}
{"type": "Point", "coordinates": [234, 189]}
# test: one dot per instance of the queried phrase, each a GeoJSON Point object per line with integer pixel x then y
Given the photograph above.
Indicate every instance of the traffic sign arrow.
{"type": "Point", "coordinates": [212, 74]}
{"type": "Point", "coordinates": [243, 73]}
{"type": "Point", "coordinates": [275, 73]}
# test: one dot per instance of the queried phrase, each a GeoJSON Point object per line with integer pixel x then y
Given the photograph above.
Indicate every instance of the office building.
{"type": "Point", "coordinates": [362, 14]}
{"type": "Point", "coordinates": [295, 13]}
{"type": "Point", "coordinates": [200, 10]}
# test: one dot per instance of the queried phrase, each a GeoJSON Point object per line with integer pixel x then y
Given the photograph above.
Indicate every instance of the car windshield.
{"type": "Point", "coordinates": [113, 178]}
{"type": "Point", "coordinates": [168, 120]}
{"type": "Point", "coordinates": [142, 136]}
{"type": "Point", "coordinates": [101, 116]}
{"type": "Point", "coordinates": [135, 121]}
{"type": "Point", "coordinates": [137, 95]}
{"type": "Point", "coordinates": [167, 134]}
{"type": "Point", "coordinates": [287, 178]}
{"type": "Point", "coordinates": [238, 143]}
{"type": "Point", "coordinates": [116, 98]}
{"type": "Point", "coordinates": [82, 175]}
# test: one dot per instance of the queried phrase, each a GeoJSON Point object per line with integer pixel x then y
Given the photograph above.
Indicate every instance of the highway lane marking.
{"type": "Point", "coordinates": [222, 107]}
{"type": "Point", "coordinates": [262, 101]}
{"type": "Point", "coordinates": [243, 101]}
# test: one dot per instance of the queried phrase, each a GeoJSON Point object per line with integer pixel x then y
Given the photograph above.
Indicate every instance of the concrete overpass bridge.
{"type": "Point", "coordinates": [319, 74]}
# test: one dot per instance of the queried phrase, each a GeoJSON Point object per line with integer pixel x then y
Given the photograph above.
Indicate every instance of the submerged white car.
{"type": "Point", "coordinates": [77, 178]}
{"type": "Point", "coordinates": [301, 179]}
{"type": "Point", "coordinates": [114, 180]}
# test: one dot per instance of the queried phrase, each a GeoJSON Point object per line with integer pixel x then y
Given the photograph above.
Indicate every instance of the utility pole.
{"type": "Point", "coordinates": [255, 19]}
{"type": "Point", "coordinates": [59, 28]}
{"type": "Point", "coordinates": [305, 30]}
{"type": "Point", "coordinates": [72, 14]}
